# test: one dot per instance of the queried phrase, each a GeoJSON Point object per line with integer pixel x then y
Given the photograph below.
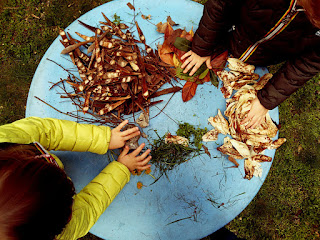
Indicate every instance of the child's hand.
{"type": "Point", "coordinates": [118, 138]}
{"type": "Point", "coordinates": [132, 161]}
{"type": "Point", "coordinates": [256, 115]}
{"type": "Point", "coordinates": [194, 61]}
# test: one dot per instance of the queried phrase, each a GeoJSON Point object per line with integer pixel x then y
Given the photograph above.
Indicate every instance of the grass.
{"type": "Point", "coordinates": [287, 205]}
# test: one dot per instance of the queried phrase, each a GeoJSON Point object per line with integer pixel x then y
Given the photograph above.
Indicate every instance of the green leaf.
{"type": "Point", "coordinates": [214, 79]}
{"type": "Point", "coordinates": [200, 70]}
{"type": "Point", "coordinates": [182, 44]}
{"type": "Point", "coordinates": [204, 73]}
{"type": "Point", "coordinates": [184, 76]}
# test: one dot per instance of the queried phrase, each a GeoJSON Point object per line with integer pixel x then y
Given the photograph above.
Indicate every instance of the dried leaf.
{"type": "Point", "coordinates": [168, 31]}
{"type": "Point", "coordinates": [143, 120]}
{"type": "Point", "coordinates": [176, 61]}
{"type": "Point", "coordinates": [139, 185]}
{"type": "Point", "coordinates": [131, 6]}
{"type": "Point", "coordinates": [206, 150]}
{"type": "Point", "coordinates": [146, 17]}
{"type": "Point", "coordinates": [172, 23]}
{"type": "Point", "coordinates": [231, 159]}
{"type": "Point", "coordinates": [167, 58]}
{"type": "Point", "coordinates": [218, 62]}
{"type": "Point", "coordinates": [161, 27]}
{"type": "Point", "coordinates": [214, 79]}
{"type": "Point", "coordinates": [166, 91]}
{"type": "Point", "coordinates": [189, 90]}
{"type": "Point", "coordinates": [165, 53]}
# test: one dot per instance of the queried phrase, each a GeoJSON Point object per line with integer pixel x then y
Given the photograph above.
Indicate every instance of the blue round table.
{"type": "Point", "coordinates": [199, 196]}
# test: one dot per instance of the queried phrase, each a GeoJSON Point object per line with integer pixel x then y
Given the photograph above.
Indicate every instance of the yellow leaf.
{"type": "Point", "coordinates": [176, 61]}
{"type": "Point", "coordinates": [191, 32]}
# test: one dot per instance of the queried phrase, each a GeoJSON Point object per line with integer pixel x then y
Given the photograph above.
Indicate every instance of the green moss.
{"type": "Point", "coordinates": [193, 134]}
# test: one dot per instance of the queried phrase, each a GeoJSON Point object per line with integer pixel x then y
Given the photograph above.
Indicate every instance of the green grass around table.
{"type": "Point", "coordinates": [286, 207]}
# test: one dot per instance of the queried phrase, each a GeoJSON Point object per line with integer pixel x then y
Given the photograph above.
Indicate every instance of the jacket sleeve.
{"type": "Point", "coordinates": [289, 79]}
{"type": "Point", "coordinates": [55, 134]}
{"type": "Point", "coordinates": [93, 200]}
{"type": "Point", "coordinates": [217, 19]}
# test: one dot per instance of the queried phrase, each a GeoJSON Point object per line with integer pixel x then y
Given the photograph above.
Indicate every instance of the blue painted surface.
{"type": "Point", "coordinates": [204, 191]}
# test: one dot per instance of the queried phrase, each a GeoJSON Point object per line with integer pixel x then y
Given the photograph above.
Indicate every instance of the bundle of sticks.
{"type": "Point", "coordinates": [119, 75]}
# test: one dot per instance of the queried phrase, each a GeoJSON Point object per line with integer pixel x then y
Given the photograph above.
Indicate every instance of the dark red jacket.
{"type": "Point", "coordinates": [298, 44]}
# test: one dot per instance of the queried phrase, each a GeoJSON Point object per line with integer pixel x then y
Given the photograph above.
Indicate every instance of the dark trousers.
{"type": "Point", "coordinates": [224, 234]}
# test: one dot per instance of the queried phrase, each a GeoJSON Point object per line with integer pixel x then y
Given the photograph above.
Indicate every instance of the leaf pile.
{"type": "Point", "coordinates": [246, 143]}
{"type": "Point", "coordinates": [176, 44]}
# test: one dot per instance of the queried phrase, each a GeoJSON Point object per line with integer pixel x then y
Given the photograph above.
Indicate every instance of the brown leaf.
{"type": "Point", "coordinates": [231, 159]}
{"type": "Point", "coordinates": [146, 17]}
{"type": "Point", "coordinates": [168, 31]}
{"type": "Point", "coordinates": [161, 27]}
{"type": "Point", "coordinates": [166, 91]}
{"type": "Point", "coordinates": [169, 20]}
{"type": "Point", "coordinates": [219, 61]}
{"type": "Point", "coordinates": [188, 91]}
{"type": "Point", "coordinates": [206, 150]}
{"type": "Point", "coordinates": [131, 6]}
{"type": "Point", "coordinates": [165, 54]}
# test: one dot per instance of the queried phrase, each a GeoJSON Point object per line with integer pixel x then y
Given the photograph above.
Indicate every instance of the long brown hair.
{"type": "Point", "coordinates": [35, 196]}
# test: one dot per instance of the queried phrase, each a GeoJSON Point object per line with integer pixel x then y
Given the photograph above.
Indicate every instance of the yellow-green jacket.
{"type": "Point", "coordinates": [54, 134]}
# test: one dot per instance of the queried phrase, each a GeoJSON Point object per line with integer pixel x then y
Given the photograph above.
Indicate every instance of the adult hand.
{"type": "Point", "coordinates": [134, 161]}
{"type": "Point", "coordinates": [119, 138]}
{"type": "Point", "coordinates": [194, 61]}
{"type": "Point", "coordinates": [256, 115]}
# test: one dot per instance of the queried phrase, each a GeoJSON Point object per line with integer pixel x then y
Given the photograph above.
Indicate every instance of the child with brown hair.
{"type": "Point", "coordinates": [37, 199]}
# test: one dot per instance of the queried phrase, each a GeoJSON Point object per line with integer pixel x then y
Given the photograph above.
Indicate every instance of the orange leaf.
{"type": "Point", "coordinates": [168, 31]}
{"type": "Point", "coordinates": [219, 61]}
{"type": "Point", "coordinates": [172, 38]}
{"type": "Point", "coordinates": [161, 27]}
{"type": "Point", "coordinates": [139, 185]}
{"type": "Point", "coordinates": [231, 159]}
{"type": "Point", "coordinates": [130, 6]}
{"type": "Point", "coordinates": [179, 54]}
{"type": "Point", "coordinates": [165, 53]}
{"type": "Point", "coordinates": [167, 58]}
{"type": "Point", "coordinates": [188, 91]}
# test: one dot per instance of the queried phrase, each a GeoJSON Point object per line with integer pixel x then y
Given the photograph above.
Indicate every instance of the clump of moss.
{"type": "Point", "coordinates": [193, 134]}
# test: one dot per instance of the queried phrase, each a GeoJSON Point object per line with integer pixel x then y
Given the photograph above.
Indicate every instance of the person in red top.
{"type": "Point", "coordinates": [261, 33]}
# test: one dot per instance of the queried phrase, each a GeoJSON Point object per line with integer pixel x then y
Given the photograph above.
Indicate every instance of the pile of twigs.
{"type": "Point", "coordinates": [117, 77]}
